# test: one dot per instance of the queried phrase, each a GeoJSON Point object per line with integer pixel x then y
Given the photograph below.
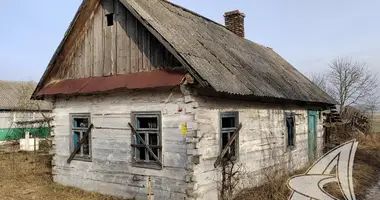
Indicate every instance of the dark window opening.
{"type": "Point", "coordinates": [80, 124]}
{"type": "Point", "coordinates": [109, 19]}
{"type": "Point", "coordinates": [290, 128]}
{"type": "Point", "coordinates": [148, 128]}
{"type": "Point", "coordinates": [146, 122]}
{"type": "Point", "coordinates": [229, 123]}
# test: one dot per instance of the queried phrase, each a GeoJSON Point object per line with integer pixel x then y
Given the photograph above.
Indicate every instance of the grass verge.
{"type": "Point", "coordinates": [28, 176]}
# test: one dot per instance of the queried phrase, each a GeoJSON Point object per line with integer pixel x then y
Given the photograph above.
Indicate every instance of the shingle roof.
{"type": "Point", "coordinates": [226, 61]}
{"type": "Point", "coordinates": [15, 95]}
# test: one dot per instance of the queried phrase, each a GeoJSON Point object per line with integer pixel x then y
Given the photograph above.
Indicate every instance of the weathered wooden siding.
{"type": "Point", "coordinates": [111, 170]}
{"type": "Point", "coordinates": [101, 50]}
{"type": "Point", "coordinates": [261, 141]}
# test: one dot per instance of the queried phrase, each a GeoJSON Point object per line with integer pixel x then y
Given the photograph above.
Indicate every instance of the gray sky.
{"type": "Point", "coordinates": [306, 33]}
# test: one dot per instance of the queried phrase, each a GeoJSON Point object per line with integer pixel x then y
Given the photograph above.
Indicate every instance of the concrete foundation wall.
{"type": "Point", "coordinates": [111, 171]}
{"type": "Point", "coordinates": [261, 142]}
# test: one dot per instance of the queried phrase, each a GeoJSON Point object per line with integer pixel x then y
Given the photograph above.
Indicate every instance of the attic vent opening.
{"type": "Point", "coordinates": [109, 19]}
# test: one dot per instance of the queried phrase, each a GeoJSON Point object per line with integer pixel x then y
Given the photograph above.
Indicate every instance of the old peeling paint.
{"type": "Point", "coordinates": [188, 170]}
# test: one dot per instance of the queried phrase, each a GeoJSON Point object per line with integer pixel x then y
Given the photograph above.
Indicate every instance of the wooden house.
{"type": "Point", "coordinates": [147, 88]}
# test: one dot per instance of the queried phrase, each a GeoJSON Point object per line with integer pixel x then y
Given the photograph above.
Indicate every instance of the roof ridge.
{"type": "Point", "coordinates": [210, 20]}
{"type": "Point", "coordinates": [193, 12]}
{"type": "Point", "coordinates": [15, 81]}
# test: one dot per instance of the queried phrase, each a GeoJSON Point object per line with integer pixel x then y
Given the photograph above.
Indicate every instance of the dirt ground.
{"type": "Point", "coordinates": [28, 176]}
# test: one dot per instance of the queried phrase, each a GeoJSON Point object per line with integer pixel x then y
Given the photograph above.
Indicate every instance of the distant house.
{"type": "Point", "coordinates": [16, 107]}
{"type": "Point", "coordinates": [184, 83]}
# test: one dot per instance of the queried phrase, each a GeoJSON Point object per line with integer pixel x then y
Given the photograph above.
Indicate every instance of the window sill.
{"type": "Point", "coordinates": [83, 158]}
{"type": "Point", "coordinates": [148, 165]}
{"type": "Point", "coordinates": [233, 159]}
{"type": "Point", "coordinates": [291, 148]}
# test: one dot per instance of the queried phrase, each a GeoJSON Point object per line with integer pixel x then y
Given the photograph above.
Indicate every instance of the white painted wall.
{"type": "Point", "coordinates": [29, 144]}
{"type": "Point", "coordinates": [261, 141]}
{"type": "Point", "coordinates": [111, 170]}
{"type": "Point", "coordinates": [7, 117]}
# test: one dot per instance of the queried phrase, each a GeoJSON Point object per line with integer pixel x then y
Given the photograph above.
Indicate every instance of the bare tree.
{"type": "Point", "coordinates": [350, 82]}
{"type": "Point", "coordinates": [371, 105]}
{"type": "Point", "coordinates": [321, 81]}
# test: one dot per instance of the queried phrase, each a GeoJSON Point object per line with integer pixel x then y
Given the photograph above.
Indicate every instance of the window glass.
{"type": "Point", "coordinates": [80, 124]}
{"type": "Point", "coordinates": [228, 122]}
{"type": "Point", "coordinates": [146, 122]}
{"type": "Point", "coordinates": [76, 139]}
{"type": "Point", "coordinates": [228, 127]}
{"type": "Point", "coordinates": [148, 127]}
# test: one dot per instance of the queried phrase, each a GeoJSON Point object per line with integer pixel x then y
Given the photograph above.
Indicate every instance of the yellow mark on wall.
{"type": "Point", "coordinates": [184, 129]}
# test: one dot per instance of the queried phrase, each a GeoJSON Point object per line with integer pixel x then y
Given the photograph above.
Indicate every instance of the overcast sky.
{"type": "Point", "coordinates": [306, 33]}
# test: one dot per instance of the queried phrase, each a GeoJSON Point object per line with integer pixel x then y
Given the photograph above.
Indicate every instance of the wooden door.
{"type": "Point", "coordinates": [312, 135]}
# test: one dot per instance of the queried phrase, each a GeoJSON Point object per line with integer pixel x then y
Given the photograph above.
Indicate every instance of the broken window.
{"type": "Point", "coordinates": [148, 129]}
{"type": "Point", "coordinates": [229, 123]}
{"type": "Point", "coordinates": [109, 19]}
{"type": "Point", "coordinates": [290, 128]}
{"type": "Point", "coordinates": [79, 126]}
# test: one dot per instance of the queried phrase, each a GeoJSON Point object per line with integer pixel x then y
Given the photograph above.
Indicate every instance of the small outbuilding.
{"type": "Point", "coordinates": [16, 109]}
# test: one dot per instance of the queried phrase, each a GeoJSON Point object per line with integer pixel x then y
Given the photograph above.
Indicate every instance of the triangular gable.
{"type": "Point", "coordinates": [91, 48]}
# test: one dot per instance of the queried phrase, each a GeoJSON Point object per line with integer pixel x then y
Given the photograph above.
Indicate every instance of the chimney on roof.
{"type": "Point", "coordinates": [234, 22]}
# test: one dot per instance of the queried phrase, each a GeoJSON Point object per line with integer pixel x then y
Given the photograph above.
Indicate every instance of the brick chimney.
{"type": "Point", "coordinates": [234, 21]}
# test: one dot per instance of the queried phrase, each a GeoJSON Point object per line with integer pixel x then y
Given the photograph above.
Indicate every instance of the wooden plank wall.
{"type": "Point", "coordinates": [125, 47]}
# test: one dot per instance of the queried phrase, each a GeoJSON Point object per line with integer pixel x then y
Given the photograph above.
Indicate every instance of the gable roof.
{"type": "Point", "coordinates": [216, 56]}
{"type": "Point", "coordinates": [15, 95]}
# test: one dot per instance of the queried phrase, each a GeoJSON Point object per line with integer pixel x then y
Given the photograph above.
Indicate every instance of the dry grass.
{"type": "Point", "coordinates": [275, 188]}
{"type": "Point", "coordinates": [376, 123]}
{"type": "Point", "coordinates": [366, 166]}
{"type": "Point", "coordinates": [365, 175]}
{"type": "Point", "coordinates": [28, 176]}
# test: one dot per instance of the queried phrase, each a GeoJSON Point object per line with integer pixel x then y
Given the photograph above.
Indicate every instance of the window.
{"type": "Point", "coordinates": [109, 19]}
{"type": "Point", "coordinates": [148, 128]}
{"type": "Point", "coordinates": [79, 126]}
{"type": "Point", "coordinates": [229, 123]}
{"type": "Point", "coordinates": [290, 128]}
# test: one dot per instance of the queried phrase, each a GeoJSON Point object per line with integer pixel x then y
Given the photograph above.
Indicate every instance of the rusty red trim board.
{"type": "Point", "coordinates": [64, 87]}
{"type": "Point", "coordinates": [140, 80]}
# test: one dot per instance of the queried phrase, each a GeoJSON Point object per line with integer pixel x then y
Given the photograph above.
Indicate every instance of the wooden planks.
{"type": "Point", "coordinates": [122, 40]}
{"type": "Point", "coordinates": [98, 43]}
{"type": "Point", "coordinates": [88, 51]}
{"type": "Point", "coordinates": [132, 30]}
{"type": "Point", "coordinates": [109, 38]}
{"type": "Point", "coordinates": [102, 50]}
